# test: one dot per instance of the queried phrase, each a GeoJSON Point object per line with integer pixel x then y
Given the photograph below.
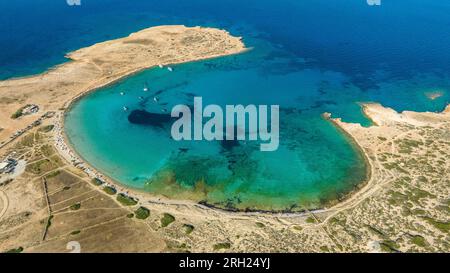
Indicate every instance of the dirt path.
{"type": "Point", "coordinates": [4, 199]}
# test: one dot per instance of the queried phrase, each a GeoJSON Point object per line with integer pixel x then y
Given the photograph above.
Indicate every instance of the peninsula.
{"type": "Point", "coordinates": [104, 63]}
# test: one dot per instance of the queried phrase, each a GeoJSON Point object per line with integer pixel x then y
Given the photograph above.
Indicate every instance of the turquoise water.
{"type": "Point", "coordinates": [309, 56]}
{"type": "Point", "coordinates": [314, 163]}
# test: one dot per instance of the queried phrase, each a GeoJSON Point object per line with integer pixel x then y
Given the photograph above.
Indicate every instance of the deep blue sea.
{"type": "Point", "coordinates": [309, 56]}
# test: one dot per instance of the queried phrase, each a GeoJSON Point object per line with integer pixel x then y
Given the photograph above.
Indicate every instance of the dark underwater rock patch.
{"type": "Point", "coordinates": [142, 117]}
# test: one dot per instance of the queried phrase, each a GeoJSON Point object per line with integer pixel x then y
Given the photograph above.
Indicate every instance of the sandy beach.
{"type": "Point", "coordinates": [102, 64]}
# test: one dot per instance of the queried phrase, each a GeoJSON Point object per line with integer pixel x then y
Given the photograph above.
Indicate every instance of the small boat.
{"type": "Point", "coordinates": [125, 108]}
{"type": "Point", "coordinates": [141, 97]}
{"type": "Point", "coordinates": [160, 66]}
{"type": "Point", "coordinates": [155, 99]}
{"type": "Point", "coordinates": [170, 68]}
{"type": "Point", "coordinates": [164, 110]}
{"type": "Point", "coordinates": [122, 93]}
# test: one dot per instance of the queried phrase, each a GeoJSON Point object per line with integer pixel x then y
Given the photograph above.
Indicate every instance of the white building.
{"type": "Point", "coordinates": [30, 109]}
{"type": "Point", "coordinates": [8, 165]}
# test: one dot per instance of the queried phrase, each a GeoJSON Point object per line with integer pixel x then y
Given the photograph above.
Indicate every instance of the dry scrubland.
{"type": "Point", "coordinates": [403, 207]}
{"type": "Point", "coordinates": [53, 203]}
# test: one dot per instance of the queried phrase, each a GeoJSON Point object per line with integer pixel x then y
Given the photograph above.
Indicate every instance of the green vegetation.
{"type": "Point", "coordinates": [407, 145]}
{"type": "Point", "coordinates": [335, 221]}
{"type": "Point", "coordinates": [188, 228]}
{"type": "Point", "coordinates": [126, 200]}
{"type": "Point", "coordinates": [422, 179]}
{"type": "Point", "coordinates": [96, 181]}
{"type": "Point", "coordinates": [76, 206]}
{"type": "Point", "coordinates": [41, 167]}
{"type": "Point", "coordinates": [391, 166]}
{"type": "Point", "coordinates": [324, 249]}
{"type": "Point", "coordinates": [57, 160]}
{"type": "Point", "coordinates": [142, 213]}
{"type": "Point", "coordinates": [416, 194]}
{"type": "Point", "coordinates": [53, 174]}
{"type": "Point", "coordinates": [27, 140]}
{"type": "Point", "coordinates": [389, 246]}
{"type": "Point", "coordinates": [46, 129]}
{"type": "Point", "coordinates": [310, 220]}
{"type": "Point", "coordinates": [419, 241]}
{"type": "Point", "coordinates": [110, 190]}
{"type": "Point", "coordinates": [442, 226]}
{"type": "Point", "coordinates": [419, 212]}
{"type": "Point", "coordinates": [167, 219]}
{"type": "Point", "coordinates": [15, 250]}
{"type": "Point", "coordinates": [47, 150]}
{"type": "Point", "coordinates": [130, 215]}
{"type": "Point", "coordinates": [75, 232]}
{"type": "Point", "coordinates": [375, 230]}
{"type": "Point", "coordinates": [397, 198]}
{"type": "Point", "coordinates": [221, 246]}
{"type": "Point", "coordinates": [49, 221]}
{"type": "Point", "coordinates": [18, 113]}
{"type": "Point", "coordinates": [183, 246]}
